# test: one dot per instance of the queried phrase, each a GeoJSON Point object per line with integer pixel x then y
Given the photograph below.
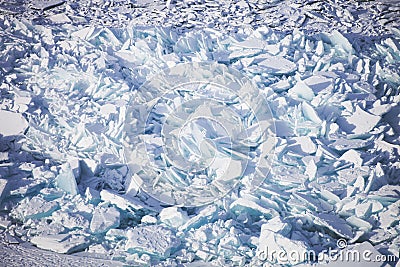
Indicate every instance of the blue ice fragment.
{"type": "Point", "coordinates": [66, 180]}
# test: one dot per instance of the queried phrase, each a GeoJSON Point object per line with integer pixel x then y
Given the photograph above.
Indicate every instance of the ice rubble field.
{"type": "Point", "coordinates": [72, 96]}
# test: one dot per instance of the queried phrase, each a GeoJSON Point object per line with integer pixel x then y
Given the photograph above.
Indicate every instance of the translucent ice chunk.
{"type": "Point", "coordinates": [61, 243]}
{"type": "Point", "coordinates": [310, 113]}
{"type": "Point", "coordinates": [66, 180]}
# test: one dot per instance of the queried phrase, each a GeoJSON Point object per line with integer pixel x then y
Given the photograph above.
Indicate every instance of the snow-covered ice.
{"type": "Point", "coordinates": [199, 133]}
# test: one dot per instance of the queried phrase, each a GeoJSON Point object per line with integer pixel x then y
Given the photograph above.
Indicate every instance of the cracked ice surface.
{"type": "Point", "coordinates": [69, 91]}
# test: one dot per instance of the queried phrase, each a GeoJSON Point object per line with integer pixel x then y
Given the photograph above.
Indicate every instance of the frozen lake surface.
{"type": "Point", "coordinates": [199, 133]}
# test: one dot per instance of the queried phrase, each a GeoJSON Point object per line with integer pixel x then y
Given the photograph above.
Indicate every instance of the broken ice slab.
{"type": "Point", "coordinates": [61, 243]}
{"type": "Point", "coordinates": [207, 214]}
{"type": "Point", "coordinates": [346, 144]}
{"type": "Point", "coordinates": [334, 223]}
{"type": "Point", "coordinates": [359, 122]}
{"type": "Point", "coordinates": [243, 53]}
{"type": "Point", "coordinates": [252, 207]}
{"type": "Point", "coordinates": [152, 239]}
{"type": "Point", "coordinates": [25, 186]}
{"type": "Point", "coordinates": [309, 202]}
{"type": "Point", "coordinates": [3, 189]}
{"type": "Point", "coordinates": [288, 175]}
{"type": "Point", "coordinates": [4, 222]}
{"type": "Point", "coordinates": [59, 18]}
{"type": "Point", "coordinates": [251, 43]}
{"type": "Point", "coordinates": [173, 217]}
{"type": "Point", "coordinates": [104, 219]}
{"type": "Point", "coordinates": [381, 235]}
{"type": "Point", "coordinates": [364, 210]}
{"type": "Point", "coordinates": [12, 123]}
{"type": "Point", "coordinates": [35, 208]}
{"type": "Point", "coordinates": [271, 244]}
{"type": "Point", "coordinates": [276, 225]}
{"type": "Point", "coordinates": [132, 185]}
{"type": "Point", "coordinates": [387, 194]}
{"type": "Point", "coordinates": [45, 4]}
{"type": "Point", "coordinates": [70, 220]}
{"type": "Point", "coordinates": [10, 239]}
{"type": "Point", "coordinates": [148, 219]}
{"type": "Point", "coordinates": [359, 223]}
{"type": "Point", "coordinates": [301, 91]}
{"type": "Point", "coordinates": [124, 202]}
{"type": "Point", "coordinates": [319, 83]}
{"type": "Point", "coordinates": [310, 113]}
{"type": "Point", "coordinates": [352, 156]}
{"type": "Point", "coordinates": [390, 216]}
{"type": "Point", "coordinates": [92, 196]}
{"type": "Point", "coordinates": [340, 42]}
{"type": "Point", "coordinates": [281, 85]}
{"type": "Point", "coordinates": [276, 64]}
{"type": "Point", "coordinates": [89, 167]}
{"type": "Point", "coordinates": [349, 175]}
{"type": "Point", "coordinates": [302, 145]}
